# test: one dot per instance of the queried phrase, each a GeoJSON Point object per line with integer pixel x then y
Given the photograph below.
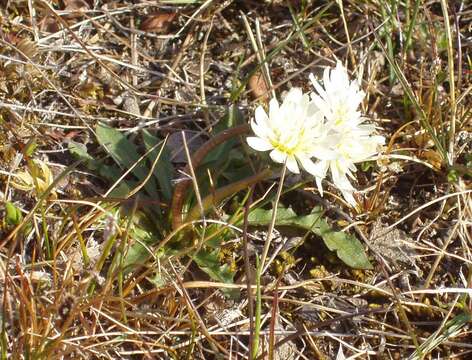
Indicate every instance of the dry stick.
{"type": "Point", "coordinates": [194, 178]}
{"type": "Point", "coordinates": [459, 48]}
{"type": "Point", "coordinates": [272, 221]}
{"type": "Point", "coordinates": [61, 95]}
{"type": "Point", "coordinates": [346, 30]}
{"type": "Point", "coordinates": [439, 199]}
{"type": "Point", "coordinates": [202, 72]}
{"type": "Point", "coordinates": [139, 186]}
{"type": "Point", "coordinates": [247, 267]}
{"type": "Point", "coordinates": [134, 53]}
{"type": "Point", "coordinates": [260, 264]}
{"type": "Point", "coordinates": [30, 215]}
{"type": "Point", "coordinates": [259, 53]}
{"type": "Point", "coordinates": [34, 25]}
{"type": "Point", "coordinates": [128, 45]}
{"type": "Point", "coordinates": [273, 320]}
{"type": "Point", "coordinates": [452, 95]}
{"type": "Point", "coordinates": [193, 16]}
{"type": "Point", "coordinates": [381, 261]}
{"type": "Point", "coordinates": [263, 61]}
{"type": "Point", "coordinates": [199, 209]}
{"type": "Point", "coordinates": [151, 170]}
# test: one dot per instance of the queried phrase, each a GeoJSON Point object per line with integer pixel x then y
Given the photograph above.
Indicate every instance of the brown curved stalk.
{"type": "Point", "coordinates": [226, 191]}
{"type": "Point", "coordinates": [182, 187]}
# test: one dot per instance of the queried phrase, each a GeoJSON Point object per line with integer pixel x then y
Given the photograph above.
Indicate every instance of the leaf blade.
{"type": "Point", "coordinates": [347, 247]}
{"type": "Point", "coordinates": [125, 154]}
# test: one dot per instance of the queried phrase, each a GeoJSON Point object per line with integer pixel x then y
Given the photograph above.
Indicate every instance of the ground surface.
{"type": "Point", "coordinates": [94, 96]}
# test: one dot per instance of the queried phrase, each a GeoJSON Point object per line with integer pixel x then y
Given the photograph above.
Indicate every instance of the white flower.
{"type": "Point", "coordinates": [354, 146]}
{"type": "Point", "coordinates": [324, 133]}
{"type": "Point", "coordinates": [295, 132]}
{"type": "Point", "coordinates": [339, 101]}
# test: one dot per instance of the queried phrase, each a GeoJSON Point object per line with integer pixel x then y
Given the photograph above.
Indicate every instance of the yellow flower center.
{"type": "Point", "coordinates": [289, 145]}
{"type": "Point", "coordinates": [340, 114]}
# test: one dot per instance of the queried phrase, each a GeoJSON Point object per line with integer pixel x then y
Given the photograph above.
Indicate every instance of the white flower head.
{"type": "Point", "coordinates": [339, 100]}
{"type": "Point", "coordinates": [323, 133]}
{"type": "Point", "coordinates": [294, 132]}
{"type": "Point", "coordinates": [355, 145]}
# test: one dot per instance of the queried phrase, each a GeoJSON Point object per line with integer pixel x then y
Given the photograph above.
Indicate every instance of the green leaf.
{"type": "Point", "coordinates": [79, 151]}
{"type": "Point", "coordinates": [30, 147]}
{"type": "Point", "coordinates": [122, 189]}
{"type": "Point", "coordinates": [164, 171]}
{"type": "Point", "coordinates": [13, 214]}
{"type": "Point", "coordinates": [138, 253]}
{"type": "Point", "coordinates": [232, 118]}
{"type": "Point", "coordinates": [145, 236]}
{"type": "Point", "coordinates": [287, 217]}
{"type": "Point", "coordinates": [111, 173]}
{"type": "Point", "coordinates": [208, 261]}
{"type": "Point", "coordinates": [347, 247]}
{"type": "Point", "coordinates": [125, 154]}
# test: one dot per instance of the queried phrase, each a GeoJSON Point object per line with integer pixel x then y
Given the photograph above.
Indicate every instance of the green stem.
{"type": "Point", "coordinates": [411, 25]}
{"type": "Point", "coordinates": [272, 221]}
{"type": "Point", "coordinates": [260, 264]}
{"type": "Point", "coordinates": [257, 322]}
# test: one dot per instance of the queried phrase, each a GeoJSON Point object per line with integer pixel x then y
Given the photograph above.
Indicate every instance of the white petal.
{"type": "Point", "coordinates": [260, 130]}
{"type": "Point", "coordinates": [322, 151]}
{"type": "Point", "coordinates": [378, 139]}
{"type": "Point", "coordinates": [273, 108]}
{"type": "Point", "coordinates": [350, 174]}
{"type": "Point", "coordinates": [261, 117]}
{"type": "Point", "coordinates": [349, 197]}
{"type": "Point", "coordinates": [292, 165]}
{"type": "Point", "coordinates": [326, 77]}
{"type": "Point", "coordinates": [319, 185]}
{"type": "Point", "coordinates": [278, 156]}
{"type": "Point", "coordinates": [312, 79]}
{"type": "Point", "coordinates": [259, 144]}
{"type": "Point", "coordinates": [340, 179]}
{"type": "Point", "coordinates": [294, 94]}
{"type": "Point", "coordinates": [312, 168]}
{"type": "Point", "coordinates": [357, 97]}
{"type": "Point", "coordinates": [319, 90]}
{"type": "Point", "coordinates": [322, 106]}
{"type": "Point", "coordinates": [313, 112]}
{"type": "Point", "coordinates": [339, 75]}
{"type": "Point", "coordinates": [318, 170]}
